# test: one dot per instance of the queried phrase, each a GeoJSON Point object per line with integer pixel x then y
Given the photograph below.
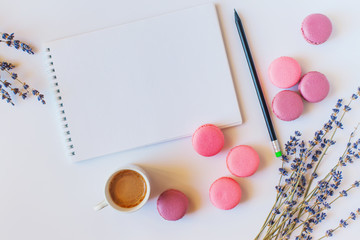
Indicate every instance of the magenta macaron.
{"type": "Point", "coordinates": [242, 161]}
{"type": "Point", "coordinates": [287, 105]}
{"type": "Point", "coordinates": [208, 140]}
{"type": "Point", "coordinates": [314, 86]}
{"type": "Point", "coordinates": [284, 72]}
{"type": "Point", "coordinates": [172, 204]}
{"type": "Point", "coordinates": [316, 28]}
{"type": "Point", "coordinates": [225, 193]}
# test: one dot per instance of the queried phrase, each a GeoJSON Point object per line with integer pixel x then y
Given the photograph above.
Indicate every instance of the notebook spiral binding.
{"type": "Point", "coordinates": [61, 105]}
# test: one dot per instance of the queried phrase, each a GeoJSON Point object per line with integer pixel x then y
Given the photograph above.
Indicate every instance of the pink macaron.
{"type": "Point", "coordinates": [314, 86]}
{"type": "Point", "coordinates": [242, 161]}
{"type": "Point", "coordinates": [284, 72]}
{"type": "Point", "coordinates": [316, 28]}
{"type": "Point", "coordinates": [225, 193]}
{"type": "Point", "coordinates": [287, 105]}
{"type": "Point", "coordinates": [172, 204]}
{"type": "Point", "coordinates": [208, 140]}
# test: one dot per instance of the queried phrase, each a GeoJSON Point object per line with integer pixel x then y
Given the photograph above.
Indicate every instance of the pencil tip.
{"type": "Point", "coordinates": [236, 15]}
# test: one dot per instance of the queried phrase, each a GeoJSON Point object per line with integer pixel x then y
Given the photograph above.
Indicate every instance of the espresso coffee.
{"type": "Point", "coordinates": [127, 188]}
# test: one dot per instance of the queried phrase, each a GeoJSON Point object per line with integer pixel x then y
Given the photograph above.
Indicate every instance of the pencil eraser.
{"type": "Point", "coordinates": [316, 28]}
{"type": "Point", "coordinates": [208, 140]}
{"type": "Point", "coordinates": [314, 86]}
{"type": "Point", "coordinates": [172, 204]}
{"type": "Point", "coordinates": [287, 105]}
{"type": "Point", "coordinates": [225, 193]}
{"type": "Point", "coordinates": [242, 161]}
{"type": "Point", "coordinates": [284, 72]}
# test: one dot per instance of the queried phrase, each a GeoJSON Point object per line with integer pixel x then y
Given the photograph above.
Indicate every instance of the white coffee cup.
{"type": "Point", "coordinates": [108, 200]}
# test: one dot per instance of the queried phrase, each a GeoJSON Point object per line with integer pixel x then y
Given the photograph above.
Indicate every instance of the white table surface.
{"type": "Point", "coordinates": [44, 196]}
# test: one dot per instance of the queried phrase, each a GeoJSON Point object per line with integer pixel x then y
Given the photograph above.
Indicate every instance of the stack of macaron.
{"type": "Point", "coordinates": [285, 72]}
{"type": "Point", "coordinates": [225, 193]}
{"type": "Point", "coordinates": [241, 161]}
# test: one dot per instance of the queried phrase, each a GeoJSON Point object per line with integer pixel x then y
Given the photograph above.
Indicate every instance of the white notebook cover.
{"type": "Point", "coordinates": [142, 83]}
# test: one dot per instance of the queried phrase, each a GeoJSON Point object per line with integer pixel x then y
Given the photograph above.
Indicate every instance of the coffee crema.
{"type": "Point", "coordinates": [127, 188]}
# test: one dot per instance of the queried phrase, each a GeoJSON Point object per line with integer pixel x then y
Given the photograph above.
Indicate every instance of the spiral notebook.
{"type": "Point", "coordinates": [142, 83]}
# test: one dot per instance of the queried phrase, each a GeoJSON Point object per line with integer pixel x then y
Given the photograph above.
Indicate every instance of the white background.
{"type": "Point", "coordinates": [44, 196]}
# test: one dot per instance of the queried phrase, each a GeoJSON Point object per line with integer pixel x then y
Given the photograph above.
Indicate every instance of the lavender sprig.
{"type": "Point", "coordinates": [317, 212]}
{"type": "Point", "coordinates": [315, 209]}
{"type": "Point", "coordinates": [5, 96]}
{"type": "Point", "coordinates": [9, 40]}
{"type": "Point", "coordinates": [342, 224]}
{"type": "Point", "coordinates": [15, 90]}
{"type": "Point", "coordinates": [297, 166]}
{"type": "Point", "coordinates": [299, 202]}
{"type": "Point", "coordinates": [26, 89]}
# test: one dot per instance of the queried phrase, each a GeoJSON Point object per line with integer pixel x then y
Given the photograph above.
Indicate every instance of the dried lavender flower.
{"type": "Point", "coordinates": [24, 90]}
{"type": "Point", "coordinates": [9, 40]}
{"type": "Point", "coordinates": [302, 201]}
{"type": "Point", "coordinates": [5, 67]}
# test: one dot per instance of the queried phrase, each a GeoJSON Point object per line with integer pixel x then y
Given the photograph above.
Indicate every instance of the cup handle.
{"type": "Point", "coordinates": [100, 205]}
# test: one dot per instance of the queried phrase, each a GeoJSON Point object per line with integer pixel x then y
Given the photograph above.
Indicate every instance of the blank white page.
{"type": "Point", "coordinates": [144, 82]}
